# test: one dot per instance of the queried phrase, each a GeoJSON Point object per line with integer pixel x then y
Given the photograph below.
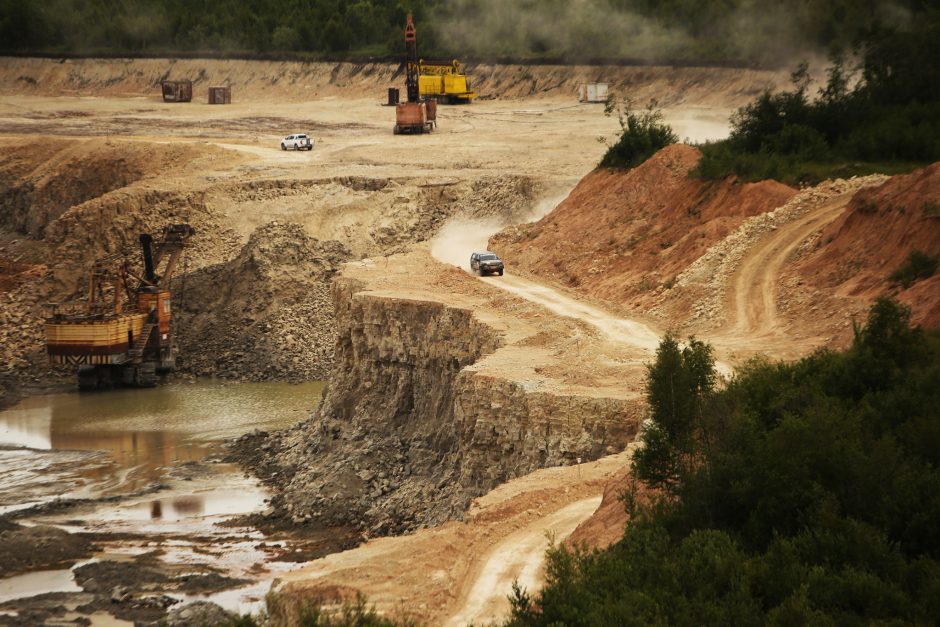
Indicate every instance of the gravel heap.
{"type": "Point", "coordinates": [265, 315]}
{"type": "Point", "coordinates": [708, 275]}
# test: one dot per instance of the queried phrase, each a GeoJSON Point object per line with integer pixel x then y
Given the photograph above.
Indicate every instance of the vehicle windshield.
{"type": "Point", "coordinates": [489, 257]}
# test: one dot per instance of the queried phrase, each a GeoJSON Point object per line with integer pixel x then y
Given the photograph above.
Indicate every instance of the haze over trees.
{"type": "Point", "coordinates": [880, 112]}
{"type": "Point", "coordinates": [737, 31]}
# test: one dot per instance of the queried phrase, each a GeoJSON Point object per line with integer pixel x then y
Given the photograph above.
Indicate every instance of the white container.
{"type": "Point", "coordinates": [593, 92]}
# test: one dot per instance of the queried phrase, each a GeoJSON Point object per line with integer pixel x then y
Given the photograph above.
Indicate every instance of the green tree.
{"type": "Point", "coordinates": [815, 501]}
{"type": "Point", "coordinates": [679, 384]}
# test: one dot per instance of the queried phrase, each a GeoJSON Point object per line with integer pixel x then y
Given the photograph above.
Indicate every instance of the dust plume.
{"type": "Point", "coordinates": [578, 30]}
{"type": "Point", "coordinates": [460, 236]}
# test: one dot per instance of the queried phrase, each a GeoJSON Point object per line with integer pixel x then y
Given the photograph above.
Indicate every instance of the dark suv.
{"type": "Point", "coordinates": [486, 263]}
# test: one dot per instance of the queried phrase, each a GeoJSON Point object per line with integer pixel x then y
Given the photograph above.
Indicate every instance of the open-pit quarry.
{"type": "Point", "coordinates": [355, 411]}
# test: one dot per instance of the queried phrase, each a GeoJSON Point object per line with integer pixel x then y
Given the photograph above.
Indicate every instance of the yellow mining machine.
{"type": "Point", "coordinates": [121, 335]}
{"type": "Point", "coordinates": [416, 115]}
{"type": "Point", "coordinates": [444, 82]}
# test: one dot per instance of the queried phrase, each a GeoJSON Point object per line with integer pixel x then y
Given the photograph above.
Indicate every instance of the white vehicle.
{"type": "Point", "coordinates": [297, 142]}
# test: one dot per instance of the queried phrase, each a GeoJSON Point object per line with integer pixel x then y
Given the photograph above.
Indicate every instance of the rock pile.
{"type": "Point", "coordinates": [266, 314]}
{"type": "Point", "coordinates": [707, 277]}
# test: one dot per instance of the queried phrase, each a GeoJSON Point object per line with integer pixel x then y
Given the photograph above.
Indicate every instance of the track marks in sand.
{"type": "Point", "coordinates": [620, 330]}
{"type": "Point", "coordinates": [752, 296]}
{"type": "Point", "coordinates": [519, 557]}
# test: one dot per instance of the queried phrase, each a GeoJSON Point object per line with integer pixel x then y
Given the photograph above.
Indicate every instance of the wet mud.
{"type": "Point", "coordinates": [121, 509]}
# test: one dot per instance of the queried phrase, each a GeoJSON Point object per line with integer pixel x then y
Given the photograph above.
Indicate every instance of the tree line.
{"type": "Point", "coordinates": [878, 110]}
{"type": "Point", "coordinates": [700, 30]}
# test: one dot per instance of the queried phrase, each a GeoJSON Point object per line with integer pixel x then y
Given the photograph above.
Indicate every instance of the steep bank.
{"type": "Point", "coordinates": [856, 254]}
{"type": "Point", "coordinates": [297, 81]}
{"type": "Point", "coordinates": [758, 267]}
{"type": "Point", "coordinates": [620, 235]}
{"type": "Point", "coordinates": [442, 390]}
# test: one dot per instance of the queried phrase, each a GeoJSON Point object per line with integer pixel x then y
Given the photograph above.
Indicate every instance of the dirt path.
{"type": "Point", "coordinates": [461, 571]}
{"type": "Point", "coordinates": [620, 330]}
{"type": "Point", "coordinates": [752, 298]}
{"type": "Point", "coordinates": [520, 557]}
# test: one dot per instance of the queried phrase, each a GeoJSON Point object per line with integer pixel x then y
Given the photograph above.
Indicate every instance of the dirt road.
{"type": "Point", "coordinates": [752, 299]}
{"type": "Point", "coordinates": [519, 558]}
{"type": "Point", "coordinates": [622, 330]}
{"type": "Point", "coordinates": [461, 571]}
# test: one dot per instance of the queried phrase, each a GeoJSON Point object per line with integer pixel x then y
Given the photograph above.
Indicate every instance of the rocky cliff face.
{"type": "Point", "coordinates": [412, 427]}
{"type": "Point", "coordinates": [265, 314]}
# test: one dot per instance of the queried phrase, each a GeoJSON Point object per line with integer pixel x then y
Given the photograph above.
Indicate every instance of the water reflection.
{"type": "Point", "coordinates": [145, 431]}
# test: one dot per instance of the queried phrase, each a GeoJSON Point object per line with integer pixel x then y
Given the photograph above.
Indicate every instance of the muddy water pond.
{"type": "Point", "coordinates": [138, 472]}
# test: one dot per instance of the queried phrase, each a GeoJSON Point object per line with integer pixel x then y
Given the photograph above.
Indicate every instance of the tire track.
{"type": "Point", "coordinates": [751, 300]}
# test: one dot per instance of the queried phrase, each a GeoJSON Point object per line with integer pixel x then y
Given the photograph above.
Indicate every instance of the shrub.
{"type": "Point", "coordinates": [812, 496]}
{"type": "Point", "coordinates": [919, 265]}
{"type": "Point", "coordinates": [643, 134]}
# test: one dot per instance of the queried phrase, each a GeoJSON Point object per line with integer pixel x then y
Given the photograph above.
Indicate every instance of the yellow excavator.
{"type": "Point", "coordinates": [444, 81]}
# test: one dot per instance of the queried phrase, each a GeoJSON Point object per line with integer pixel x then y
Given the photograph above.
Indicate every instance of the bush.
{"type": "Point", "coordinates": [919, 265]}
{"type": "Point", "coordinates": [890, 115]}
{"type": "Point", "coordinates": [643, 134]}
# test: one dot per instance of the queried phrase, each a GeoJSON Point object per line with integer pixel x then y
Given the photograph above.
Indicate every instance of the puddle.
{"type": "Point", "coordinates": [38, 582]}
{"type": "Point", "coordinates": [115, 444]}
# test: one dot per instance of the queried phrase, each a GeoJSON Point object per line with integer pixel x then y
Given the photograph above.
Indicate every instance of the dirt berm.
{"type": "Point", "coordinates": [443, 388]}
{"type": "Point", "coordinates": [297, 81]}
{"type": "Point", "coordinates": [856, 254]}
{"type": "Point", "coordinates": [756, 266]}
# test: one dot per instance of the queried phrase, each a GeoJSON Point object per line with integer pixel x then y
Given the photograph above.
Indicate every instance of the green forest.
{"type": "Point", "coordinates": [803, 493]}
{"type": "Point", "coordinates": [878, 110]}
{"type": "Point", "coordinates": [731, 31]}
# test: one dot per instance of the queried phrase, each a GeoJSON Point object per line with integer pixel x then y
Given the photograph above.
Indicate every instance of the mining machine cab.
{"type": "Point", "coordinates": [416, 115]}
{"type": "Point", "coordinates": [444, 82]}
{"type": "Point", "coordinates": [122, 333]}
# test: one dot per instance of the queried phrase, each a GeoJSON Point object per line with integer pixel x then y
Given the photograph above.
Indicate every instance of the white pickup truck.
{"type": "Point", "coordinates": [297, 142]}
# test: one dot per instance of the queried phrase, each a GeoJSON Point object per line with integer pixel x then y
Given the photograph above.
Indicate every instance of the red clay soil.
{"type": "Point", "coordinates": [859, 250]}
{"type": "Point", "coordinates": [621, 233]}
{"type": "Point", "coordinates": [608, 523]}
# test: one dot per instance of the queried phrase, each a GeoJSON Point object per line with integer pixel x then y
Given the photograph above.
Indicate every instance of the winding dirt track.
{"type": "Point", "coordinates": [754, 323]}
{"type": "Point", "coordinates": [519, 557]}
{"type": "Point", "coordinates": [619, 330]}
{"type": "Point", "coordinates": [752, 301]}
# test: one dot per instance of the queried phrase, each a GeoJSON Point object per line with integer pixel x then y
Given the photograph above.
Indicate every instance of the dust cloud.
{"type": "Point", "coordinates": [739, 30]}
{"type": "Point", "coordinates": [578, 28]}
{"type": "Point", "coordinates": [460, 236]}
